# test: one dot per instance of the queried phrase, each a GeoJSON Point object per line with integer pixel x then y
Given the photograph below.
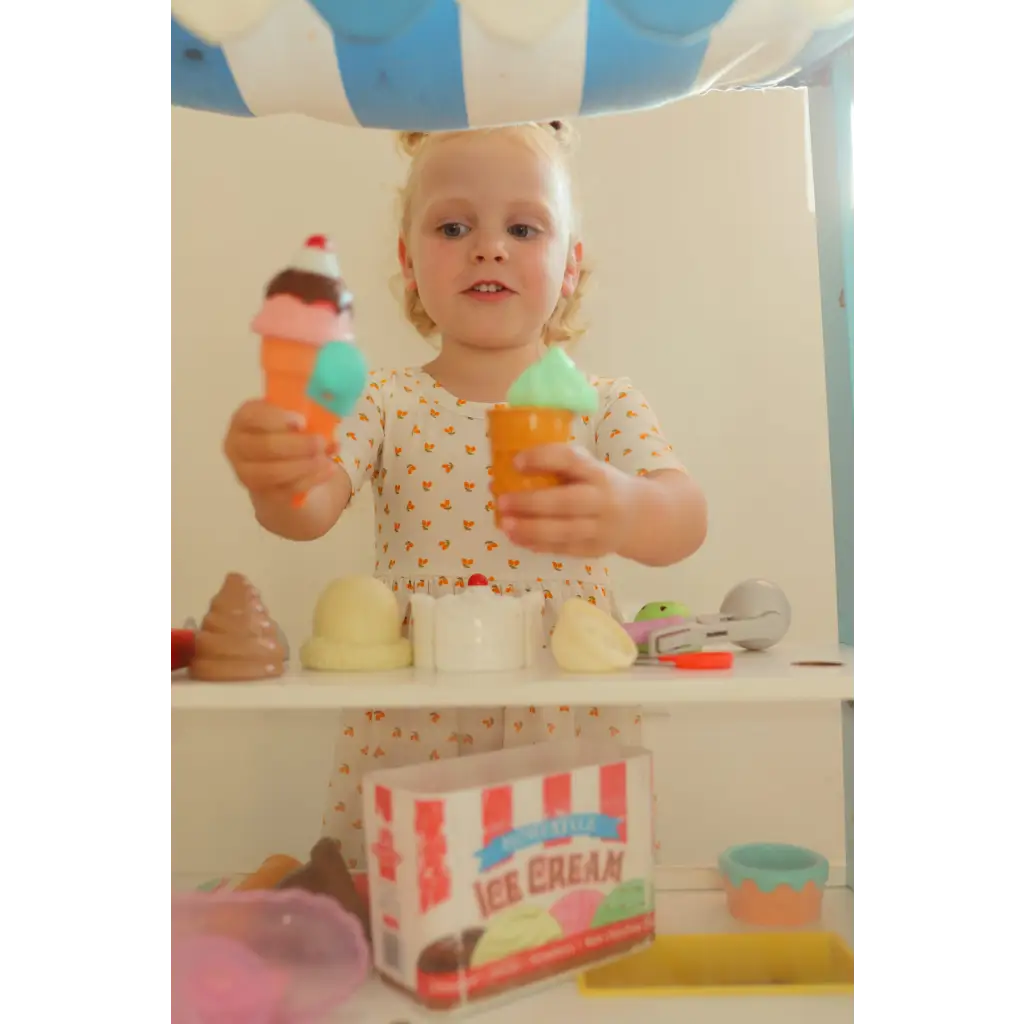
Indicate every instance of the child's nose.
{"type": "Point", "coordinates": [490, 248]}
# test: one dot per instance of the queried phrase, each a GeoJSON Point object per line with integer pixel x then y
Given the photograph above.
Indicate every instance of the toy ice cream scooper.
{"type": "Point", "coordinates": [754, 615]}
{"type": "Point", "coordinates": [541, 405]}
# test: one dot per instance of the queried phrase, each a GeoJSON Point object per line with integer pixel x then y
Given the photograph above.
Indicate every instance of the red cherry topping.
{"type": "Point", "coordinates": [318, 242]}
{"type": "Point", "coordinates": [478, 579]}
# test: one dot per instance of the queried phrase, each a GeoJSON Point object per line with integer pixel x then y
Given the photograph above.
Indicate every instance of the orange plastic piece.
{"type": "Point", "coordinates": [287, 367]}
{"type": "Point", "coordinates": [783, 907]}
{"type": "Point", "coordinates": [516, 429]}
{"type": "Point", "coordinates": [699, 660]}
{"type": "Point", "coordinates": [269, 873]}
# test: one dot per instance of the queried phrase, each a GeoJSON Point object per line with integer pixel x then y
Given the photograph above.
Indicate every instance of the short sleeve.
{"type": "Point", "coordinates": [361, 435]}
{"type": "Point", "coordinates": [627, 434]}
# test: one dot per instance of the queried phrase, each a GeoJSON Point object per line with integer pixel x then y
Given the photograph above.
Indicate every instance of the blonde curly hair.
{"type": "Point", "coordinates": [554, 137]}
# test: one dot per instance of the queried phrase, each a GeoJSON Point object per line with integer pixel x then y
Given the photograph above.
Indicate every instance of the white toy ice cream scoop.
{"type": "Point", "coordinates": [587, 639]}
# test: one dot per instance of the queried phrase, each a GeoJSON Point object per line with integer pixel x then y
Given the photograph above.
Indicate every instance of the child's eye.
{"type": "Point", "coordinates": [522, 231]}
{"type": "Point", "coordinates": [453, 229]}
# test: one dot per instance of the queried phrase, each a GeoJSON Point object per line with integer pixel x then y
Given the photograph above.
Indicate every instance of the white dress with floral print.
{"type": "Point", "coordinates": [425, 453]}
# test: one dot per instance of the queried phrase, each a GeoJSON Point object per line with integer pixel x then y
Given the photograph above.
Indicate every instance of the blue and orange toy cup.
{"type": "Point", "coordinates": [773, 884]}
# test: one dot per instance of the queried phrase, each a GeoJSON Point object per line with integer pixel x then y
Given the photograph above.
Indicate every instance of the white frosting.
{"type": "Point", "coordinates": [476, 631]}
{"type": "Point", "coordinates": [216, 21]}
{"type": "Point", "coordinates": [317, 261]}
{"type": "Point", "coordinates": [522, 21]}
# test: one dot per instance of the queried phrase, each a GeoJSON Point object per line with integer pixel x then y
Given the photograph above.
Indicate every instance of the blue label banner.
{"type": "Point", "coordinates": [596, 826]}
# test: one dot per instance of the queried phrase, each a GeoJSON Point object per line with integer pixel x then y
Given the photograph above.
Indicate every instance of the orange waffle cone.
{"type": "Point", "coordinates": [287, 367]}
{"type": "Point", "coordinates": [515, 429]}
{"type": "Point", "coordinates": [269, 873]}
{"type": "Point", "coordinates": [237, 921]}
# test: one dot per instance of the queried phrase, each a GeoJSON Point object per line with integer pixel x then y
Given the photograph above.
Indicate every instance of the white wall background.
{"type": "Point", "coordinates": [705, 291]}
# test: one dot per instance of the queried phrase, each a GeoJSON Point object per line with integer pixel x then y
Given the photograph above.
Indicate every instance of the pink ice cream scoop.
{"type": "Point", "coordinates": [285, 316]}
{"type": "Point", "coordinates": [576, 910]}
{"type": "Point", "coordinates": [308, 301]}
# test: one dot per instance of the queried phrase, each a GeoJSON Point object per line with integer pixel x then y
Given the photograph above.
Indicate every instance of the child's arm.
{"type": "Point", "coordinates": [633, 499]}
{"type": "Point", "coordinates": [359, 444]}
{"type": "Point", "coordinates": [668, 518]}
{"type": "Point", "coordinates": [667, 514]}
{"type": "Point", "coordinates": [321, 510]}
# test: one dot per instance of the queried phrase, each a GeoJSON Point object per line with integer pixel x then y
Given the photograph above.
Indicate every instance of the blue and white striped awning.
{"type": "Point", "coordinates": [434, 65]}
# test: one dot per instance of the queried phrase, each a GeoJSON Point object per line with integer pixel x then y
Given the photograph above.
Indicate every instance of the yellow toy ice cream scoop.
{"type": "Point", "coordinates": [515, 930]}
{"type": "Point", "coordinates": [357, 626]}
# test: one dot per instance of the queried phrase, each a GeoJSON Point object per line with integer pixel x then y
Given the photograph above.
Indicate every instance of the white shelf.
{"type": "Point", "coordinates": [756, 676]}
{"type": "Point", "coordinates": [677, 913]}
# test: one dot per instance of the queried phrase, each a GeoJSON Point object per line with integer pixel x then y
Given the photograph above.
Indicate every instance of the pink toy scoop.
{"type": "Point", "coordinates": [262, 957]}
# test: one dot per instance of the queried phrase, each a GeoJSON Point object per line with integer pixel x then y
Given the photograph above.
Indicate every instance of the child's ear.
{"type": "Point", "coordinates": [572, 270]}
{"type": "Point", "coordinates": [405, 260]}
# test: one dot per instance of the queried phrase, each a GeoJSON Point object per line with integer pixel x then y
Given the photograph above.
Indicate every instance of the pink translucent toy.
{"type": "Point", "coordinates": [267, 957]}
{"type": "Point", "coordinates": [640, 631]}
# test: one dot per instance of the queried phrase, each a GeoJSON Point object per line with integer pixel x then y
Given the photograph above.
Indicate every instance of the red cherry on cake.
{"type": "Point", "coordinates": [478, 579]}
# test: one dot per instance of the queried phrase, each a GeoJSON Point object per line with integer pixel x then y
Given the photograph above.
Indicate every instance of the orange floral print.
{"type": "Point", "coordinates": [469, 485]}
{"type": "Point", "coordinates": [409, 507]}
{"type": "Point", "coordinates": [446, 505]}
{"type": "Point", "coordinates": [423, 561]}
{"type": "Point", "coordinates": [427, 484]}
{"type": "Point", "coordinates": [447, 466]}
{"type": "Point", "coordinates": [449, 431]}
{"type": "Point", "coordinates": [467, 563]}
{"type": "Point", "coordinates": [444, 545]}
{"type": "Point", "coordinates": [428, 446]}
{"type": "Point", "coordinates": [468, 524]}
{"type": "Point", "coordinates": [470, 449]}
{"type": "Point", "coordinates": [513, 563]}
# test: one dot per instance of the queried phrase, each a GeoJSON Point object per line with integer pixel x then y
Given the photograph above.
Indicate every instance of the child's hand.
{"type": "Point", "coordinates": [269, 453]}
{"type": "Point", "coordinates": [585, 516]}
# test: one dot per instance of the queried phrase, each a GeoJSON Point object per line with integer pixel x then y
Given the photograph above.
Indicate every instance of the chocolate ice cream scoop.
{"type": "Point", "coordinates": [326, 874]}
{"type": "Point", "coordinates": [237, 641]}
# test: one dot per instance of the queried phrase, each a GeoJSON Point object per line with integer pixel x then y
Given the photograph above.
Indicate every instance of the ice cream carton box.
{"type": "Point", "coordinates": [494, 873]}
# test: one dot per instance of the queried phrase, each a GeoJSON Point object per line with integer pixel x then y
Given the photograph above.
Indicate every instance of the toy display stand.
{"type": "Point", "coordinates": [319, 66]}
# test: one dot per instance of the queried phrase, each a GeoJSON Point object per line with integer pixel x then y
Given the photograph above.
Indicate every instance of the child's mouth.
{"type": "Point", "coordinates": [488, 291]}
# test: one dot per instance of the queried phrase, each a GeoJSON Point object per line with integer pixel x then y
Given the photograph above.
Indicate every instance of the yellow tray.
{"type": "Point", "coordinates": [748, 963]}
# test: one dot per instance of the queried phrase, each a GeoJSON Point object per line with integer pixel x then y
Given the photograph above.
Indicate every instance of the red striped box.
{"type": "Point", "coordinates": [494, 873]}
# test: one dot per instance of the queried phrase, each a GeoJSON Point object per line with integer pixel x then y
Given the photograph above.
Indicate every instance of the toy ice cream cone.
{"type": "Point", "coordinates": [513, 430]}
{"type": "Point", "coordinates": [287, 369]}
{"type": "Point", "coordinates": [310, 365]}
{"type": "Point", "coordinates": [308, 308]}
{"type": "Point", "coordinates": [542, 405]}
{"type": "Point", "coordinates": [276, 867]}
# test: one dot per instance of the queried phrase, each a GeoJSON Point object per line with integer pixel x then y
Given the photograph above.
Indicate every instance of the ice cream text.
{"type": "Point", "coordinates": [544, 874]}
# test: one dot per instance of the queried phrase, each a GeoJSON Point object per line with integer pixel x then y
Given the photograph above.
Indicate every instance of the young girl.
{"type": "Point", "coordinates": [491, 263]}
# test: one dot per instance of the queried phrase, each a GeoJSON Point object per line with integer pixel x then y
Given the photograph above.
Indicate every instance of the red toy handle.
{"type": "Point", "coordinates": [699, 661]}
{"type": "Point", "coordinates": [183, 648]}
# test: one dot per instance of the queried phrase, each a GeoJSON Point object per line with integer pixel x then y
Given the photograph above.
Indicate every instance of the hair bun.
{"type": "Point", "coordinates": [564, 133]}
{"type": "Point", "coordinates": [410, 142]}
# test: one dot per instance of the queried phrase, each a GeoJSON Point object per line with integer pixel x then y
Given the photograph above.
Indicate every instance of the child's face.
{"type": "Point", "coordinates": [490, 207]}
